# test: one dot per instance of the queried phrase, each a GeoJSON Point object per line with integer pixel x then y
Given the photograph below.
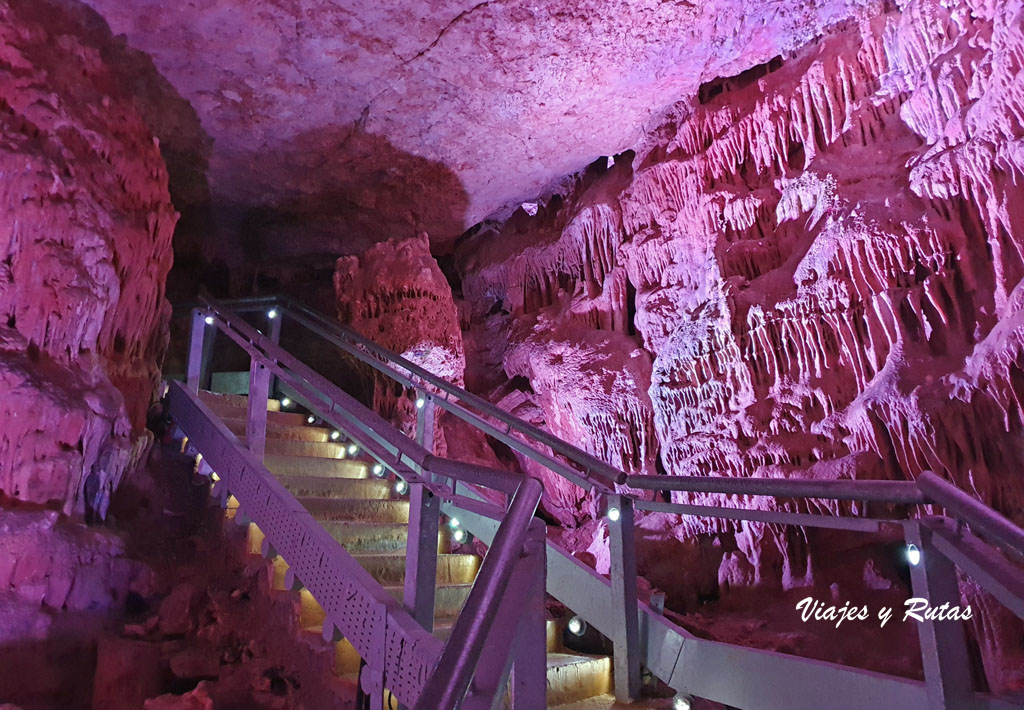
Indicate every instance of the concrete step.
{"type": "Point", "coordinates": [357, 510]}
{"type": "Point", "coordinates": [607, 702]}
{"type": "Point", "coordinates": [448, 600]}
{"type": "Point", "coordinates": [323, 487]}
{"type": "Point", "coordinates": [234, 401]}
{"type": "Point", "coordinates": [310, 466]}
{"type": "Point", "coordinates": [574, 677]}
{"type": "Point", "coordinates": [277, 431]}
{"type": "Point", "coordinates": [389, 568]}
{"type": "Point", "coordinates": [359, 537]}
{"type": "Point", "coordinates": [313, 449]}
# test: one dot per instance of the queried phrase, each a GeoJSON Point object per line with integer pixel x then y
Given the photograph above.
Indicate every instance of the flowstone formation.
{"type": "Point", "coordinates": [811, 270]}
{"type": "Point", "coordinates": [395, 295]}
{"type": "Point", "coordinates": [85, 231]}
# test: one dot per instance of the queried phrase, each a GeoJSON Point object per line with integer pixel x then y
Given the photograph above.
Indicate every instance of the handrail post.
{"type": "Point", "coordinates": [947, 670]}
{"type": "Point", "coordinates": [424, 522]}
{"type": "Point", "coordinates": [256, 421]}
{"type": "Point", "coordinates": [626, 637]}
{"type": "Point", "coordinates": [421, 555]}
{"type": "Point", "coordinates": [529, 664]}
{"type": "Point", "coordinates": [196, 352]}
{"type": "Point", "coordinates": [275, 335]}
{"type": "Point", "coordinates": [425, 421]}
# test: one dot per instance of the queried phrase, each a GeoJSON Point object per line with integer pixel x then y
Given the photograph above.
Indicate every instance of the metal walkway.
{"type": "Point", "coordinates": [495, 653]}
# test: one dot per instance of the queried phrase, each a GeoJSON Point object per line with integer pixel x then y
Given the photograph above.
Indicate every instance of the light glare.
{"type": "Point", "coordinates": [272, 313]}
{"type": "Point", "coordinates": [420, 403]}
{"type": "Point", "coordinates": [913, 555]}
{"type": "Point", "coordinates": [614, 514]}
{"type": "Point", "coordinates": [209, 320]}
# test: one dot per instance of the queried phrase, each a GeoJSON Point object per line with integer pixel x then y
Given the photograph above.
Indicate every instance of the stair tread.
{"type": "Point", "coordinates": [557, 659]}
{"type": "Point", "coordinates": [607, 702]}
{"type": "Point", "coordinates": [287, 465]}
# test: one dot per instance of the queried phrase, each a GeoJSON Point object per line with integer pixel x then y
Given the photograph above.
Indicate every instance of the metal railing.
{"type": "Point", "coordinates": [972, 536]}
{"type": "Point", "coordinates": [401, 655]}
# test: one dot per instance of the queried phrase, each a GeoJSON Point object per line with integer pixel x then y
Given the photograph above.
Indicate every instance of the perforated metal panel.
{"type": "Point", "coordinates": [377, 626]}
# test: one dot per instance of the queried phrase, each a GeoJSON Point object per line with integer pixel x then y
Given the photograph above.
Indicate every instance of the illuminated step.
{"type": "Point", "coordinates": [284, 447]}
{"type": "Point", "coordinates": [359, 510]}
{"type": "Point", "coordinates": [289, 432]}
{"type": "Point", "coordinates": [325, 487]}
{"type": "Point", "coordinates": [574, 677]}
{"type": "Point", "coordinates": [389, 568]}
{"type": "Point", "coordinates": [359, 537]}
{"type": "Point", "coordinates": [448, 600]}
{"type": "Point", "coordinates": [311, 466]}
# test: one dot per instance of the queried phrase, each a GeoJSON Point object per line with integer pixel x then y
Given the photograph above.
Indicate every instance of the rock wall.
{"type": "Point", "coordinates": [811, 270]}
{"type": "Point", "coordinates": [395, 294]}
{"type": "Point", "coordinates": [85, 233]}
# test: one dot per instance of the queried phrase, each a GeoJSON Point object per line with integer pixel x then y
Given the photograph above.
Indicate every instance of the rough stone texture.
{"type": "Point", "coordinates": [395, 295]}
{"type": "Point", "coordinates": [85, 230]}
{"type": "Point", "coordinates": [363, 120]}
{"type": "Point", "coordinates": [64, 566]}
{"type": "Point", "coordinates": [820, 258]}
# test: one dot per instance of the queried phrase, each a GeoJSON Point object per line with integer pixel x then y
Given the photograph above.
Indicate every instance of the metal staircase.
{"type": "Point", "coordinates": [370, 519]}
{"type": "Point", "coordinates": [360, 533]}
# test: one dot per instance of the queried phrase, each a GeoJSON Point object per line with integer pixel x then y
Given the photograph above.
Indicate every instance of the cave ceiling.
{"type": "Point", "coordinates": [390, 116]}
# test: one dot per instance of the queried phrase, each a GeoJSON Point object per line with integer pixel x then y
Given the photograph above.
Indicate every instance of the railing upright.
{"type": "Point", "coordinates": [626, 636]}
{"type": "Point", "coordinates": [196, 365]}
{"type": "Point", "coordinates": [256, 421]}
{"type": "Point", "coordinates": [947, 668]}
{"type": "Point", "coordinates": [424, 524]}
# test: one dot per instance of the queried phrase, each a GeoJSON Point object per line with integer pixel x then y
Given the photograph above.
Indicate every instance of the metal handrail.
{"type": "Point", "coordinates": [349, 340]}
{"type": "Point", "coordinates": [597, 476]}
{"type": "Point", "coordinates": [478, 615]}
{"type": "Point", "coordinates": [475, 621]}
{"type": "Point", "coordinates": [979, 516]}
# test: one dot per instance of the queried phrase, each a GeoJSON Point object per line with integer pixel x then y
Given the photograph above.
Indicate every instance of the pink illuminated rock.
{"type": "Point", "coordinates": [395, 294]}
{"type": "Point", "coordinates": [85, 229]}
{"type": "Point", "coordinates": [821, 259]}
{"type": "Point", "coordinates": [402, 116]}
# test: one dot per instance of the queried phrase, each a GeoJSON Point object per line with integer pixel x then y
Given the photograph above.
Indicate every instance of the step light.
{"type": "Point", "coordinates": [401, 487]}
{"type": "Point", "coordinates": [378, 469]}
{"type": "Point", "coordinates": [682, 702]}
{"type": "Point", "coordinates": [913, 555]}
{"type": "Point", "coordinates": [310, 419]}
{"type": "Point", "coordinates": [460, 536]}
{"type": "Point", "coordinates": [209, 320]}
{"type": "Point", "coordinates": [420, 403]}
{"type": "Point", "coordinates": [577, 626]}
{"type": "Point", "coordinates": [353, 449]}
{"type": "Point", "coordinates": [614, 514]}
{"type": "Point", "coordinates": [453, 523]}
{"type": "Point", "coordinates": [272, 313]}
{"type": "Point", "coordinates": [335, 435]}
{"type": "Point", "coordinates": [285, 403]}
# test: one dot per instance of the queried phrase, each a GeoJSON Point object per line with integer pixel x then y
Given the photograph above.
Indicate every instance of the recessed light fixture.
{"type": "Point", "coordinates": [913, 555]}
{"type": "Point", "coordinates": [577, 626]}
